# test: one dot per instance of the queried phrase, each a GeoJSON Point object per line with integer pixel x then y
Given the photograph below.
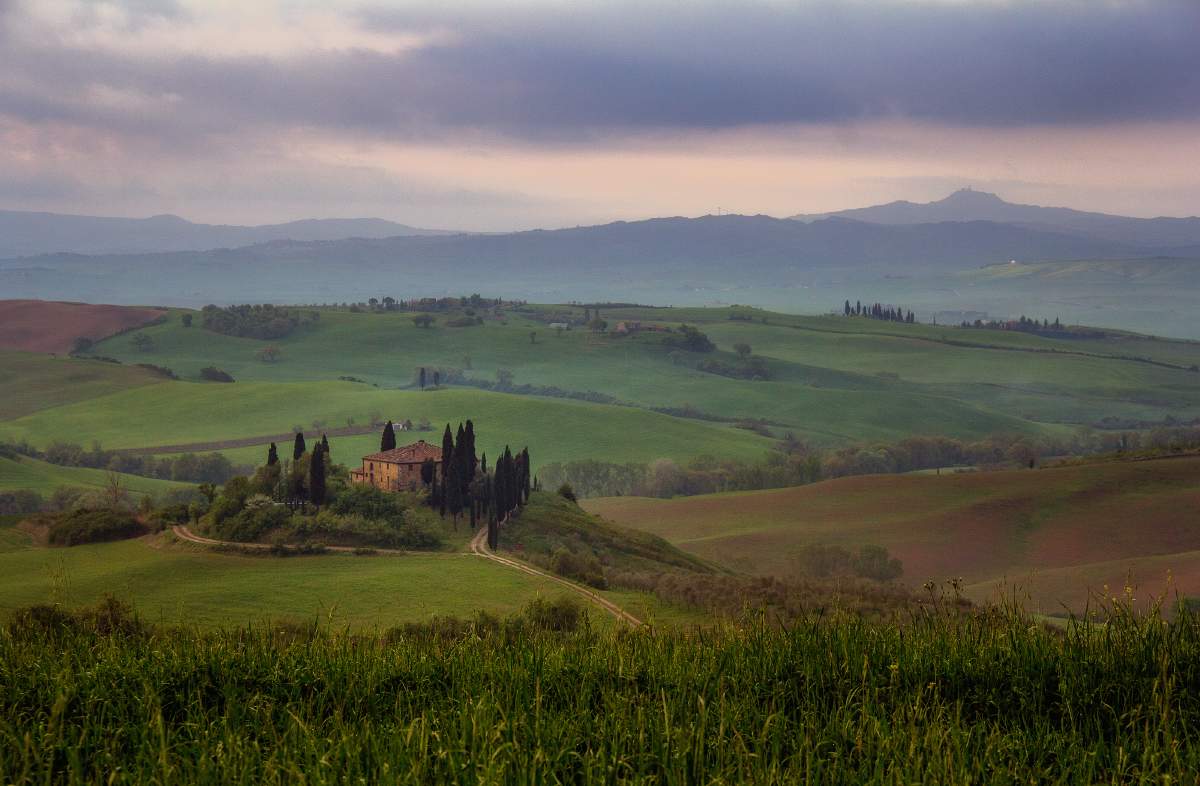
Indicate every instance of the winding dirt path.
{"type": "Point", "coordinates": [479, 546]}
{"type": "Point", "coordinates": [183, 533]}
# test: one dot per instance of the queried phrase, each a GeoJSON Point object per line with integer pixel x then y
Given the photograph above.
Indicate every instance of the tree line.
{"type": "Point", "coordinates": [266, 321]}
{"type": "Point", "coordinates": [187, 467]}
{"type": "Point", "coordinates": [794, 463]}
{"type": "Point", "coordinates": [878, 311]}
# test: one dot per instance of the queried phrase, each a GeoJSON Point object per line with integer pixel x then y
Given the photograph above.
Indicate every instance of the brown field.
{"type": "Point", "coordinates": [48, 326]}
{"type": "Point", "coordinates": [1056, 534]}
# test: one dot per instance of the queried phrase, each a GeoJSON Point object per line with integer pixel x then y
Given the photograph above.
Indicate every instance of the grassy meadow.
{"type": "Point", "coordinates": [28, 473]}
{"type": "Point", "coordinates": [554, 429]}
{"type": "Point", "coordinates": [944, 698]}
{"type": "Point", "coordinates": [178, 584]}
{"type": "Point", "coordinates": [1056, 534]}
{"type": "Point", "coordinates": [868, 380]}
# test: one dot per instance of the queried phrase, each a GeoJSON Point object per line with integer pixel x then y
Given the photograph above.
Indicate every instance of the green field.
{"type": "Point", "coordinates": [1057, 534]}
{"type": "Point", "coordinates": [833, 379]}
{"type": "Point", "coordinates": [29, 382]}
{"type": "Point", "coordinates": [942, 698]}
{"type": "Point", "coordinates": [554, 429]}
{"type": "Point", "coordinates": [179, 584]}
{"type": "Point", "coordinates": [39, 476]}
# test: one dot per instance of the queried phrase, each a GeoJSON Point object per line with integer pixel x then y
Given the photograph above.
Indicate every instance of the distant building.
{"type": "Point", "coordinates": [398, 469]}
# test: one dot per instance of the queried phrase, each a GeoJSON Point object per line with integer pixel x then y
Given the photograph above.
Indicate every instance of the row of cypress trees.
{"type": "Point", "coordinates": [303, 489]}
{"type": "Point", "coordinates": [466, 485]}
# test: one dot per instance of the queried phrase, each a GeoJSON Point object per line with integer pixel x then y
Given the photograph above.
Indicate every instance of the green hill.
{"type": "Point", "coordinates": [554, 429]}
{"type": "Point", "coordinates": [832, 379]}
{"type": "Point", "coordinates": [27, 473]}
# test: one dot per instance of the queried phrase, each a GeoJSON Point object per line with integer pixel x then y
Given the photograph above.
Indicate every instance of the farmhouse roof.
{"type": "Point", "coordinates": [415, 453]}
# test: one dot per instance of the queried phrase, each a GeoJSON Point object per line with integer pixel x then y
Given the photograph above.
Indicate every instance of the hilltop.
{"type": "Point", "coordinates": [970, 205]}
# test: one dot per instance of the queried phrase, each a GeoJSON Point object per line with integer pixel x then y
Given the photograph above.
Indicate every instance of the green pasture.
{"type": "Point", "coordinates": [31, 382]}
{"type": "Point", "coordinates": [554, 429]}
{"type": "Point", "coordinates": [833, 379]}
{"type": "Point", "coordinates": [179, 584]}
{"type": "Point", "coordinates": [42, 477]}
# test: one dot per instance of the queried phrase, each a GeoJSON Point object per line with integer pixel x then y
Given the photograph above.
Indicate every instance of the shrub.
{"type": "Point", "coordinates": [214, 374]}
{"type": "Point", "coordinates": [566, 492]}
{"type": "Point", "coordinates": [584, 568]}
{"type": "Point", "coordinates": [93, 526]}
{"type": "Point", "coordinates": [561, 614]}
{"type": "Point", "coordinates": [20, 502]}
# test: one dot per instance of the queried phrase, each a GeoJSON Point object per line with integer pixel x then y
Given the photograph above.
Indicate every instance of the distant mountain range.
{"type": "Point", "coordinates": [662, 254]}
{"type": "Point", "coordinates": [902, 252]}
{"type": "Point", "coordinates": [27, 234]}
{"type": "Point", "coordinates": [970, 205]}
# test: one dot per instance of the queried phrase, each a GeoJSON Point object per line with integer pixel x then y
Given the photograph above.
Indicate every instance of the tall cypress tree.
{"type": "Point", "coordinates": [272, 456]}
{"type": "Point", "coordinates": [388, 440]}
{"type": "Point", "coordinates": [525, 476]}
{"type": "Point", "coordinates": [421, 378]}
{"type": "Point", "coordinates": [299, 448]}
{"type": "Point", "coordinates": [325, 448]}
{"type": "Point", "coordinates": [470, 460]}
{"type": "Point", "coordinates": [447, 458]}
{"type": "Point", "coordinates": [316, 477]}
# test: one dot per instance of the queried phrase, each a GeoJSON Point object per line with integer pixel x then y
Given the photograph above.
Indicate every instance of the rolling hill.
{"type": "Point", "coordinates": [1057, 534]}
{"type": "Point", "coordinates": [29, 234]}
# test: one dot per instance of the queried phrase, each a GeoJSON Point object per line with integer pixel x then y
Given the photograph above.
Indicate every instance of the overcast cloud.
{"type": "Point", "coordinates": [162, 90]}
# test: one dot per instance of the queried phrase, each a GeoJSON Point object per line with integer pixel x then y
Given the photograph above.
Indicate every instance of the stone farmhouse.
{"type": "Point", "coordinates": [398, 469]}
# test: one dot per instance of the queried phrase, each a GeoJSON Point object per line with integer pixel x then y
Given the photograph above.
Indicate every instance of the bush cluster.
{"type": "Point", "coordinates": [75, 527]}
{"type": "Point", "coordinates": [265, 321]}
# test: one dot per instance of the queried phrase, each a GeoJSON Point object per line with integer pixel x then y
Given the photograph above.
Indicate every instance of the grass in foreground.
{"type": "Point", "coordinates": [947, 698]}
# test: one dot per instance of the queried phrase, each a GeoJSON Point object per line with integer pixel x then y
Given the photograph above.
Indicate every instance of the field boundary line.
{"type": "Point", "coordinates": [479, 547]}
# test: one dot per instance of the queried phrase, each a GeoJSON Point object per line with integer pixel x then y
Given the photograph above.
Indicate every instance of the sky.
{"type": "Point", "coordinates": [546, 113]}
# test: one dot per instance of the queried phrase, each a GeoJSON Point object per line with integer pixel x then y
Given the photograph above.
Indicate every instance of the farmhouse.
{"type": "Point", "coordinates": [398, 469]}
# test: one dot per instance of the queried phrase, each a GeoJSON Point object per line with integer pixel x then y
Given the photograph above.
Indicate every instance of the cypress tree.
{"type": "Point", "coordinates": [470, 461]}
{"type": "Point", "coordinates": [316, 477]}
{"type": "Point", "coordinates": [525, 478]}
{"type": "Point", "coordinates": [299, 448]}
{"type": "Point", "coordinates": [421, 378]}
{"type": "Point", "coordinates": [447, 458]}
{"type": "Point", "coordinates": [388, 440]}
{"type": "Point", "coordinates": [272, 456]}
{"type": "Point", "coordinates": [325, 447]}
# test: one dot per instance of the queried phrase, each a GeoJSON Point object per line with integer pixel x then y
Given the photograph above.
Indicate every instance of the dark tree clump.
{"type": "Point", "coordinates": [388, 441]}
{"type": "Point", "coordinates": [272, 456]}
{"type": "Point", "coordinates": [298, 448]}
{"type": "Point", "coordinates": [316, 477]}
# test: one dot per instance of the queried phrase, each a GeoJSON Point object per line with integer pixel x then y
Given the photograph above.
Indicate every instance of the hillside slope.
{"type": "Point", "coordinates": [1083, 526]}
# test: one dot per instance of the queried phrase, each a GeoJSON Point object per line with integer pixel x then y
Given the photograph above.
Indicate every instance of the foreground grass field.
{"type": "Point", "coordinates": [1058, 534]}
{"type": "Point", "coordinates": [943, 699]}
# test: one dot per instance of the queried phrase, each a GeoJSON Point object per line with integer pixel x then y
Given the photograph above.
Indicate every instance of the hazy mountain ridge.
{"type": "Point", "coordinates": [969, 205]}
{"type": "Point", "coordinates": [31, 233]}
{"type": "Point", "coordinates": [710, 252]}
